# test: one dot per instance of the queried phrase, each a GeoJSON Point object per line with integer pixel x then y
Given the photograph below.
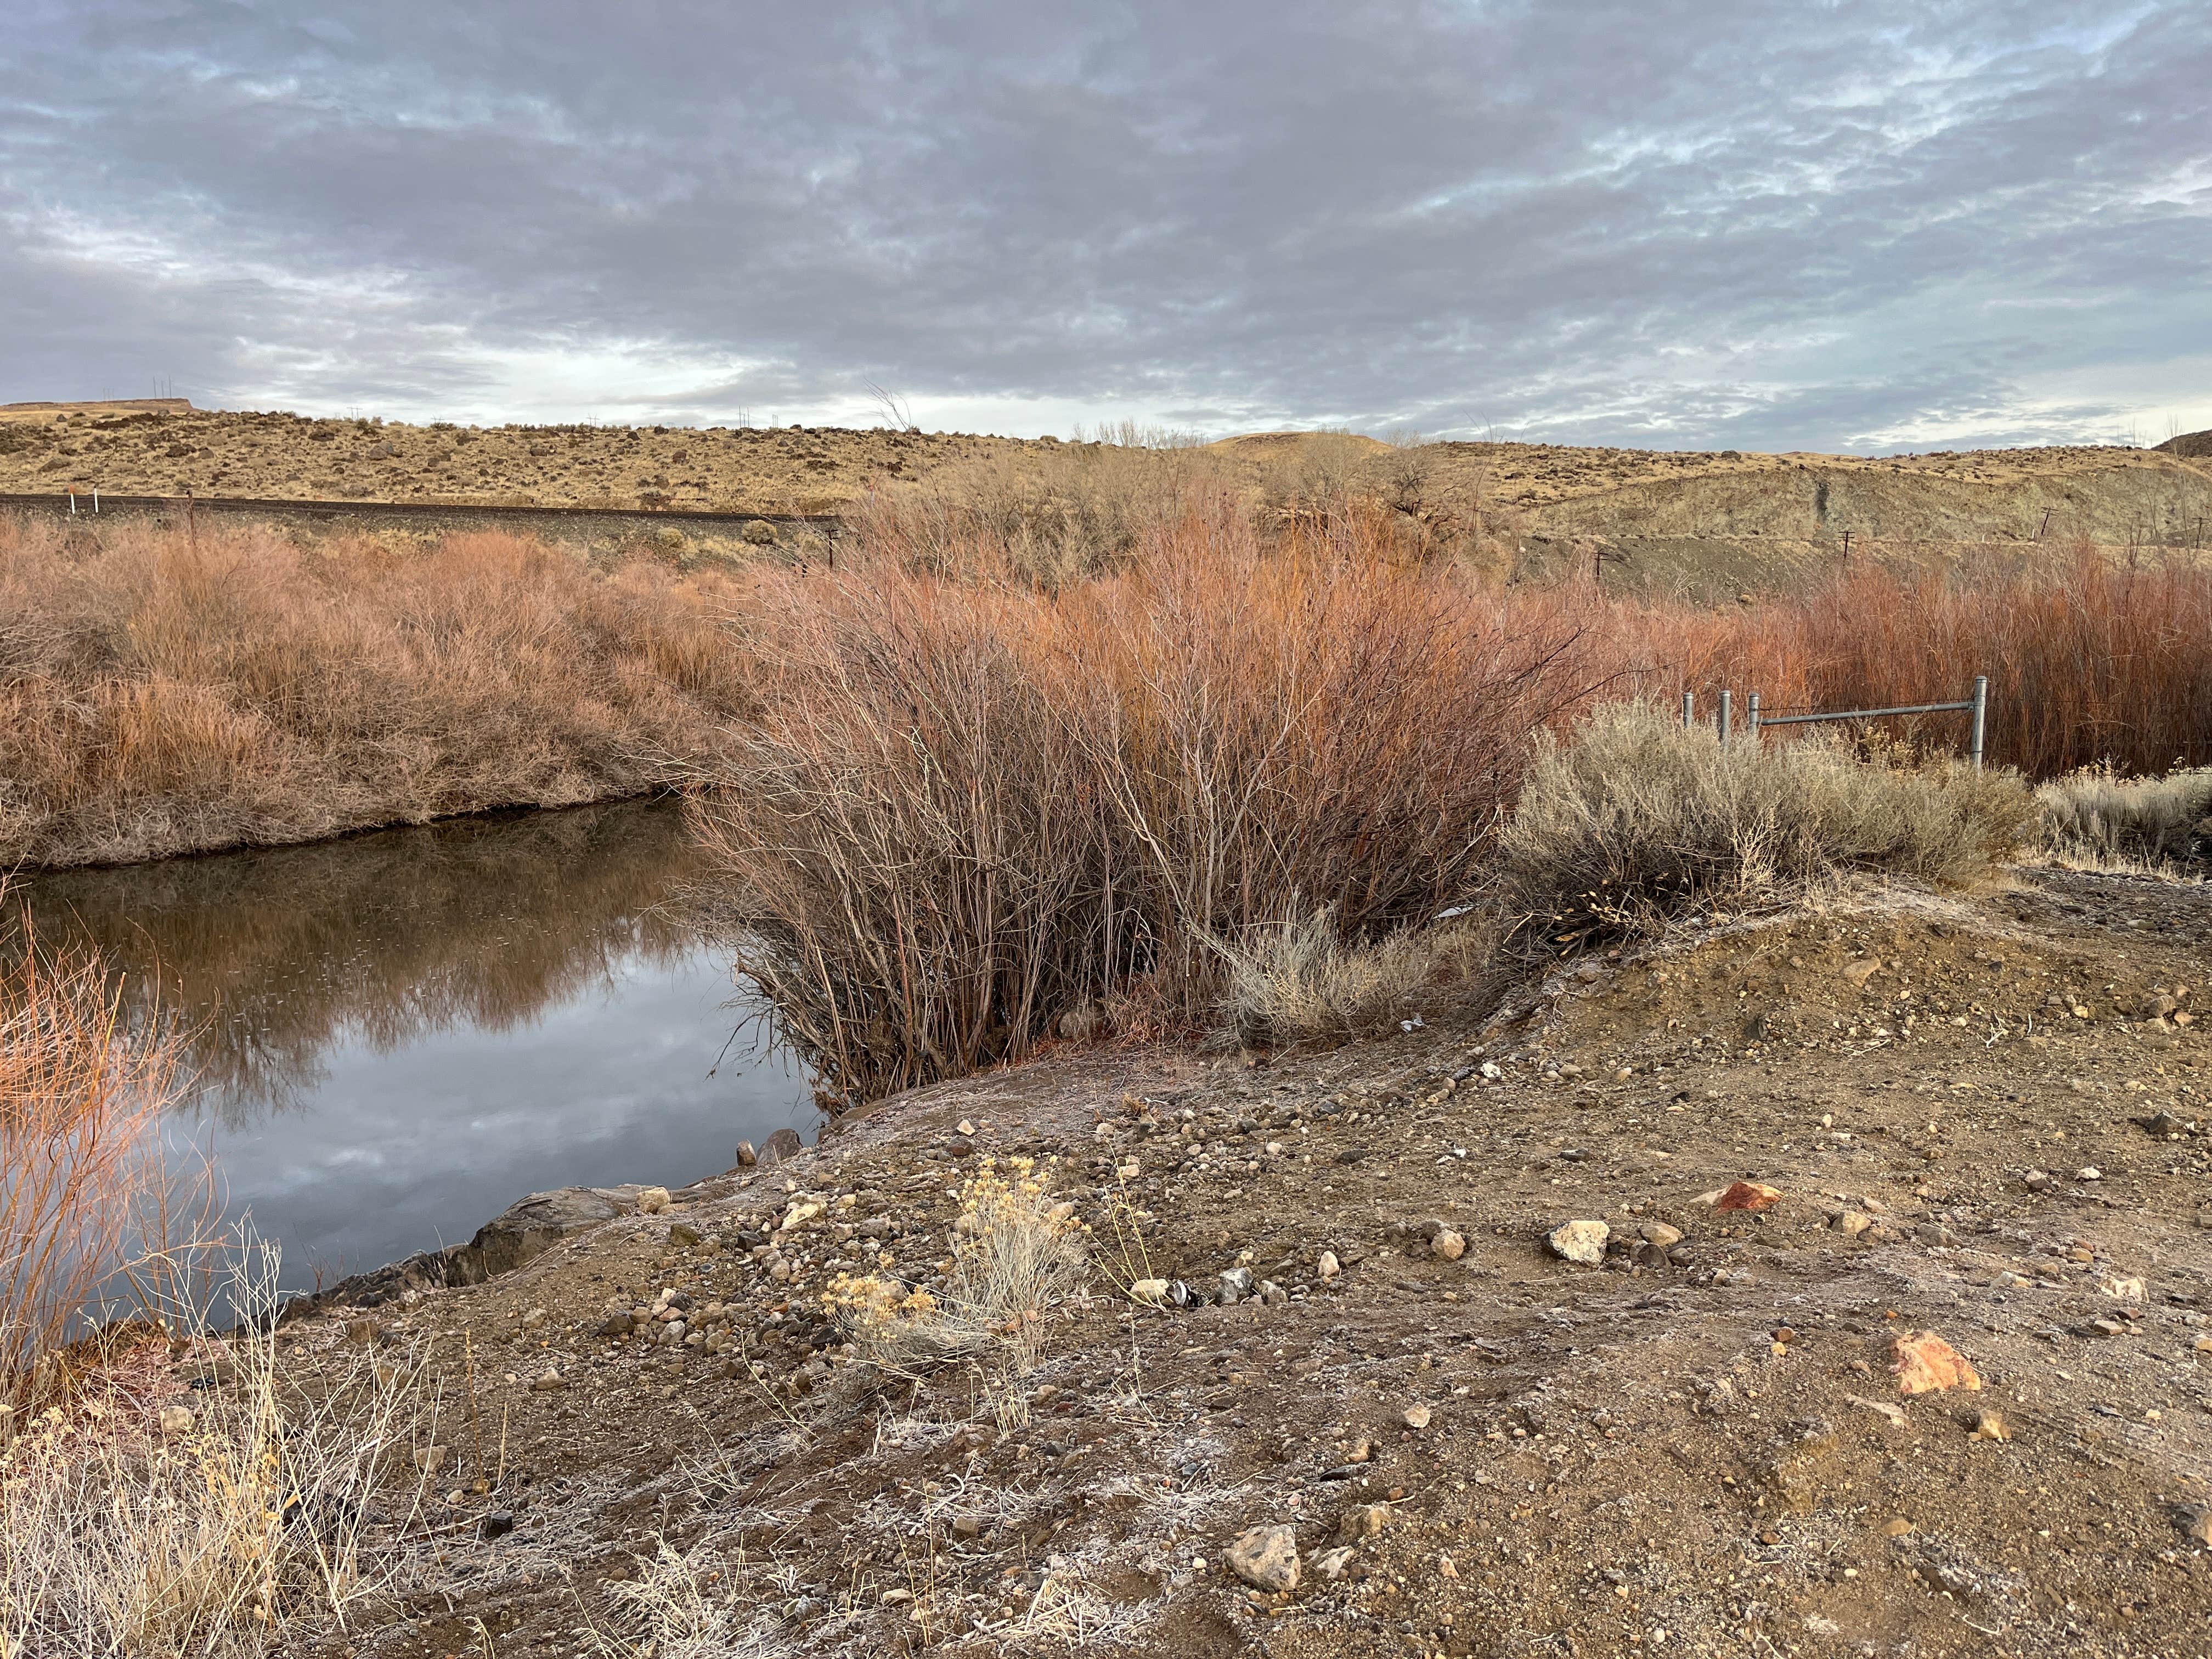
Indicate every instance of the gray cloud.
{"type": "Point", "coordinates": [1872, 226]}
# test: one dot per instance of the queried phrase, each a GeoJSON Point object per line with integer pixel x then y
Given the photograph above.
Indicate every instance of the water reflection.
{"type": "Point", "coordinates": [395, 1036]}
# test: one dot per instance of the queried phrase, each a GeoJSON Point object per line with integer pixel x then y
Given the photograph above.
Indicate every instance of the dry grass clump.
{"type": "Point", "coordinates": [255, 1515]}
{"type": "Point", "coordinates": [689, 1604]}
{"type": "Point", "coordinates": [2096, 813]}
{"type": "Point", "coordinates": [82, 1193]}
{"type": "Point", "coordinates": [1304, 980]}
{"type": "Point", "coordinates": [1018, 1253]}
{"type": "Point", "coordinates": [1072, 512]}
{"type": "Point", "coordinates": [162, 692]}
{"type": "Point", "coordinates": [1634, 819]}
{"type": "Point", "coordinates": [970, 809]}
{"type": "Point", "coordinates": [1052, 517]}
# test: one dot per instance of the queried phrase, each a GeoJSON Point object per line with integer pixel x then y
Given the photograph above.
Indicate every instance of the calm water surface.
{"type": "Point", "coordinates": [394, 1036]}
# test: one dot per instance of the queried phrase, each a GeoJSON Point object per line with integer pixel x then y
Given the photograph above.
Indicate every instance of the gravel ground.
{"type": "Point", "coordinates": [1986, 1120]}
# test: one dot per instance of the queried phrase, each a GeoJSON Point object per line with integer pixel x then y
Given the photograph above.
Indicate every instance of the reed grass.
{"type": "Point", "coordinates": [164, 692]}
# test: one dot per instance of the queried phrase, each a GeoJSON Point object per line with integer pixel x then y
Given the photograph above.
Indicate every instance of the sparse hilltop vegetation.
{"type": "Point", "coordinates": [1710, 523]}
{"type": "Point", "coordinates": [1355, 1130]}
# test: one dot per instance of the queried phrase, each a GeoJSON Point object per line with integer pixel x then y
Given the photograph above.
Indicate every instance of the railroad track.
{"type": "Point", "coordinates": [85, 503]}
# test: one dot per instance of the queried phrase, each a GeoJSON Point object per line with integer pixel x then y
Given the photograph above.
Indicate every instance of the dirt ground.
{"type": "Point", "coordinates": [1987, 1118]}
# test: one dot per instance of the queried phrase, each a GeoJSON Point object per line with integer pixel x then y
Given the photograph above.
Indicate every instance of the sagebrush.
{"type": "Point", "coordinates": [1633, 819]}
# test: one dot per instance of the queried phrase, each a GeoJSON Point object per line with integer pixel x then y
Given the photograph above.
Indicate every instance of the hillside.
{"type": "Point", "coordinates": [1714, 521]}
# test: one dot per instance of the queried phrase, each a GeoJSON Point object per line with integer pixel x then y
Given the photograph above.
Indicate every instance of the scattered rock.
{"type": "Point", "coordinates": [497, 1524]}
{"type": "Point", "coordinates": [781, 1148]}
{"type": "Point", "coordinates": [967, 1526]}
{"type": "Point", "coordinates": [1752, 1195]}
{"type": "Point", "coordinates": [652, 1201]}
{"type": "Point", "coordinates": [1416, 1417]}
{"type": "Point", "coordinates": [1925, 1364]}
{"type": "Point", "coordinates": [1888, 1408]}
{"type": "Point", "coordinates": [1362, 1521]}
{"type": "Point", "coordinates": [2196, 1523]}
{"type": "Point", "coordinates": [1859, 972]}
{"type": "Point", "coordinates": [2125, 1290]}
{"type": "Point", "coordinates": [1659, 1233]}
{"type": "Point", "coordinates": [550, 1381]}
{"type": "Point", "coordinates": [966, 1127]}
{"type": "Point", "coordinates": [2156, 1006]}
{"type": "Point", "coordinates": [1990, 1426]}
{"type": "Point", "coordinates": [176, 1421]}
{"type": "Point", "coordinates": [1580, 1242]}
{"type": "Point", "coordinates": [1267, 1557]}
{"type": "Point", "coordinates": [683, 1233]}
{"type": "Point", "coordinates": [1152, 1292]}
{"type": "Point", "coordinates": [1235, 1285]}
{"type": "Point", "coordinates": [1447, 1244]}
{"type": "Point", "coordinates": [1329, 1267]}
{"type": "Point", "coordinates": [748, 1154]}
{"type": "Point", "coordinates": [431, 1459]}
{"type": "Point", "coordinates": [1851, 1223]}
{"type": "Point", "coordinates": [1330, 1564]}
{"type": "Point", "coordinates": [2088, 1172]}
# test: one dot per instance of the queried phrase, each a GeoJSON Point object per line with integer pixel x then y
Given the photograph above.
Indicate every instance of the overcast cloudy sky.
{"type": "Point", "coordinates": [1873, 225]}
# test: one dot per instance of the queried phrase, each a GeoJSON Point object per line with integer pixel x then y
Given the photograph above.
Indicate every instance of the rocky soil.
{"type": "Point", "coordinates": [1585, 1328]}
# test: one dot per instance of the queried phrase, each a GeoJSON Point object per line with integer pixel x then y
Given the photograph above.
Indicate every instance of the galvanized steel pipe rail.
{"type": "Point", "coordinates": [1978, 705]}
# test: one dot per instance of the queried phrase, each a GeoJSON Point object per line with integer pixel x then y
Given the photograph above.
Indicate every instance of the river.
{"type": "Point", "coordinates": [391, 1037]}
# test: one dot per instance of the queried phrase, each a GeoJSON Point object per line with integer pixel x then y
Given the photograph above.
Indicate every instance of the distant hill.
{"type": "Point", "coordinates": [103, 405]}
{"type": "Point", "coordinates": [2190, 446]}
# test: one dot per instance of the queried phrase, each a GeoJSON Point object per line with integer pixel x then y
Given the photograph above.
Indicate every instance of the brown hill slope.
{"type": "Point", "coordinates": [1715, 519]}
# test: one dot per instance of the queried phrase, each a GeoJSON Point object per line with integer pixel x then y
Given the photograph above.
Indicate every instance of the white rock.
{"type": "Point", "coordinates": [652, 1201]}
{"type": "Point", "coordinates": [1267, 1557]}
{"type": "Point", "coordinates": [1329, 1267]}
{"type": "Point", "coordinates": [1580, 1242]}
{"type": "Point", "coordinates": [176, 1421]}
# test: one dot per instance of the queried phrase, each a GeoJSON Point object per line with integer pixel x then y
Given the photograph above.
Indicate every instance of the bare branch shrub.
{"type": "Point", "coordinates": [970, 808]}
{"type": "Point", "coordinates": [82, 1189]}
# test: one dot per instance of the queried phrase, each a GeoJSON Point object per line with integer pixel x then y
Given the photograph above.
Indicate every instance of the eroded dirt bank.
{"type": "Point", "coordinates": [1987, 1119]}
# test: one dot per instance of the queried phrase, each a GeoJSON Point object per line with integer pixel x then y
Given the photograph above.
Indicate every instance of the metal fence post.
{"type": "Point", "coordinates": [1689, 706]}
{"type": "Point", "coordinates": [1751, 718]}
{"type": "Point", "coordinates": [1981, 719]}
{"type": "Point", "coordinates": [1727, 697]}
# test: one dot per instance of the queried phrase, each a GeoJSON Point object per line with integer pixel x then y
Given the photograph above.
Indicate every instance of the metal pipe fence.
{"type": "Point", "coordinates": [1757, 721]}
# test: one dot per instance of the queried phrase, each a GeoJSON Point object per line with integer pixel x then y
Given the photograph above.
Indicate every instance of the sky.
{"type": "Point", "coordinates": [1874, 225]}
